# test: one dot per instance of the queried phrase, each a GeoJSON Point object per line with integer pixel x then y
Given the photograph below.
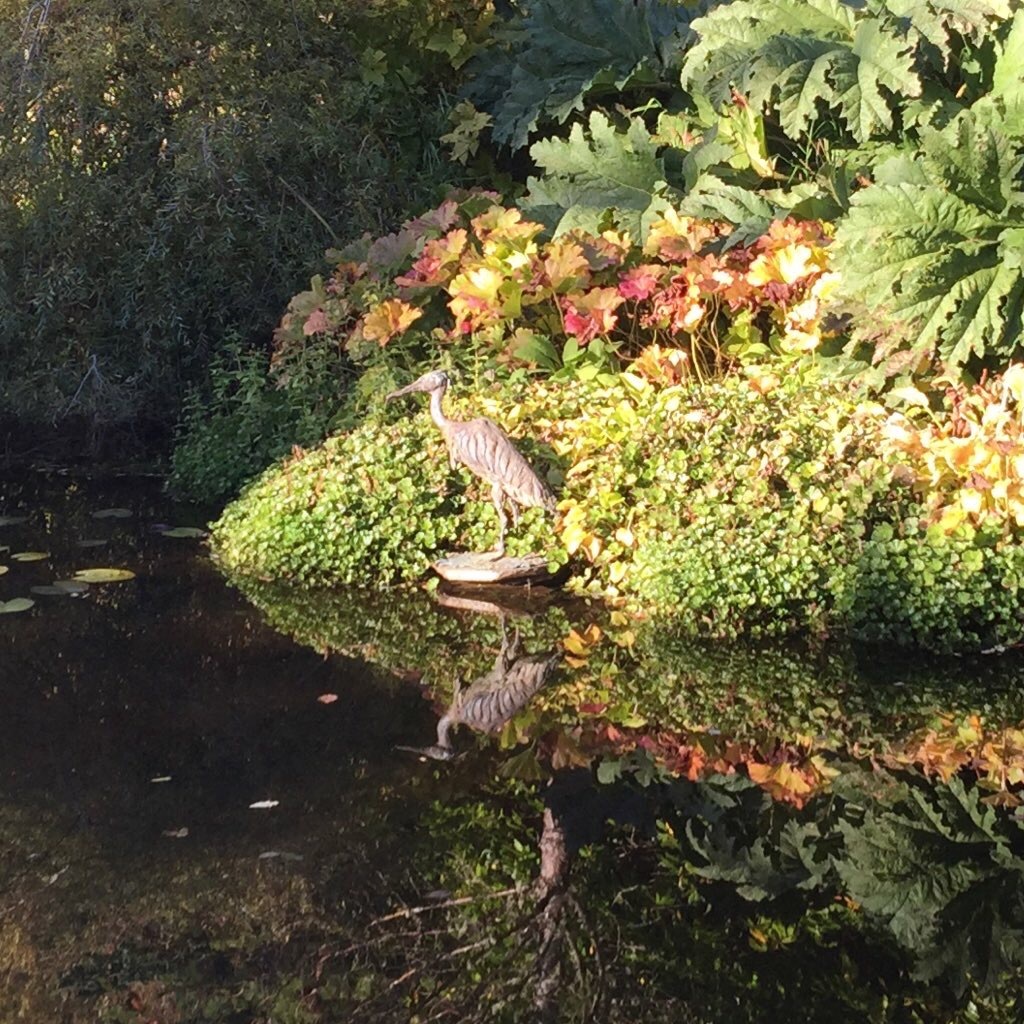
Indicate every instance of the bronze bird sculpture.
{"type": "Point", "coordinates": [484, 449]}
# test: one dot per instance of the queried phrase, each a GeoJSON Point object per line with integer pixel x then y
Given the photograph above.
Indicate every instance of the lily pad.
{"type": "Point", "coordinates": [183, 531]}
{"type": "Point", "coordinates": [12, 520]}
{"type": "Point", "coordinates": [102, 575]}
{"type": "Point", "coordinates": [91, 543]}
{"type": "Point", "coordinates": [71, 586]}
{"type": "Point", "coordinates": [17, 604]}
{"type": "Point", "coordinates": [29, 556]}
{"type": "Point", "coordinates": [112, 513]}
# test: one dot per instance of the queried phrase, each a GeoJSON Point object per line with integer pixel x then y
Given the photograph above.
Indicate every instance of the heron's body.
{"type": "Point", "coordinates": [485, 450]}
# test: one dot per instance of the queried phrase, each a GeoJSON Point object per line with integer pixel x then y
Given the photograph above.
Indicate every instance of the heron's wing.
{"type": "Point", "coordinates": [485, 449]}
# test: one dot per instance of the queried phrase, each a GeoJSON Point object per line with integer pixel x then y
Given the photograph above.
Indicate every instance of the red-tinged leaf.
{"type": "Point", "coordinates": [674, 237]}
{"type": "Point", "coordinates": [565, 266]}
{"type": "Point", "coordinates": [475, 299]}
{"type": "Point", "coordinates": [327, 698]}
{"type": "Point", "coordinates": [391, 317]}
{"type": "Point", "coordinates": [316, 323]}
{"type": "Point", "coordinates": [391, 251]}
{"type": "Point", "coordinates": [504, 224]}
{"type": "Point", "coordinates": [641, 282]}
{"type": "Point", "coordinates": [438, 262]}
{"type": "Point", "coordinates": [591, 313]}
{"type": "Point", "coordinates": [436, 221]}
{"type": "Point", "coordinates": [593, 708]}
{"type": "Point", "coordinates": [662, 365]}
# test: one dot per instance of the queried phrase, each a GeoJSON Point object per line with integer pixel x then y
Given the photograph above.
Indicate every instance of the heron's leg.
{"type": "Point", "coordinates": [497, 496]}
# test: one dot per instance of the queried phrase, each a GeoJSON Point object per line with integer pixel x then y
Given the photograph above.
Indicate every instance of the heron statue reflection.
{"type": "Point", "coordinates": [484, 449]}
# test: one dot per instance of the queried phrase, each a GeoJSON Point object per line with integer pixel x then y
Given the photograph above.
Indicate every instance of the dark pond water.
{"type": "Point", "coordinates": [232, 802]}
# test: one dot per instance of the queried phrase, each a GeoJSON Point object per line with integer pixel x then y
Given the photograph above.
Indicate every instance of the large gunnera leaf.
{"type": "Point", "coordinates": [1003, 106]}
{"type": "Point", "coordinates": [617, 171]}
{"type": "Point", "coordinates": [564, 50]}
{"type": "Point", "coordinates": [804, 58]}
{"type": "Point", "coordinates": [933, 252]}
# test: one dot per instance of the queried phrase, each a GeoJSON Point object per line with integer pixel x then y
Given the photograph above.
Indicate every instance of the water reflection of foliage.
{"type": "Point", "coordinates": [728, 912]}
{"type": "Point", "coordinates": [645, 676]}
{"type": "Point", "coordinates": [927, 864]}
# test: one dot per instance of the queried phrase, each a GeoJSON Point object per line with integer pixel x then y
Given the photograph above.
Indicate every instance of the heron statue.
{"type": "Point", "coordinates": [484, 449]}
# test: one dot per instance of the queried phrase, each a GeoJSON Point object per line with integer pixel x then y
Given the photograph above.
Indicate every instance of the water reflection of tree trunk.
{"type": "Point", "coordinates": [552, 894]}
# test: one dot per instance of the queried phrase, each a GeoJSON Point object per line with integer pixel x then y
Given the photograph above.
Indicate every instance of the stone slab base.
{"type": "Point", "coordinates": [473, 567]}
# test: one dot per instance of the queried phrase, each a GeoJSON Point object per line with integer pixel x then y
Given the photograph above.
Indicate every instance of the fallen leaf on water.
{"type": "Point", "coordinates": [161, 778]}
{"type": "Point", "coordinates": [176, 833]}
{"type": "Point", "coordinates": [263, 805]}
{"type": "Point", "coordinates": [91, 543]}
{"type": "Point", "coordinates": [112, 513]}
{"type": "Point", "coordinates": [327, 698]}
{"type": "Point", "coordinates": [30, 556]}
{"type": "Point", "coordinates": [3, 569]}
{"type": "Point", "coordinates": [17, 604]}
{"type": "Point", "coordinates": [283, 854]}
{"type": "Point", "coordinates": [102, 575]}
{"type": "Point", "coordinates": [183, 531]}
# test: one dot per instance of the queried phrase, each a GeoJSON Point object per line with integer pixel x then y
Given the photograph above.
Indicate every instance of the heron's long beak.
{"type": "Point", "coordinates": [435, 753]}
{"type": "Point", "coordinates": [407, 390]}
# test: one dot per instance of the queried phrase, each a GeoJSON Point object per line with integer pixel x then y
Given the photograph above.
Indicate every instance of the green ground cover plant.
{"type": "Point", "coordinates": [738, 507]}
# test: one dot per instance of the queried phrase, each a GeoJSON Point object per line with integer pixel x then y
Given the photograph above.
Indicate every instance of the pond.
{"type": "Point", "coordinates": [227, 801]}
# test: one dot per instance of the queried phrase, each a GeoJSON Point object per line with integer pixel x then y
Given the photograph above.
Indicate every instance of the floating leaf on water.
{"type": "Point", "coordinates": [183, 531]}
{"type": "Point", "coordinates": [17, 604]}
{"type": "Point", "coordinates": [91, 543]}
{"type": "Point", "coordinates": [49, 591]}
{"type": "Point", "coordinates": [102, 575]}
{"type": "Point", "coordinates": [176, 833]}
{"type": "Point", "coordinates": [71, 586]}
{"type": "Point", "coordinates": [12, 520]}
{"type": "Point", "coordinates": [327, 698]}
{"type": "Point", "coordinates": [263, 805]}
{"type": "Point", "coordinates": [112, 513]}
{"type": "Point", "coordinates": [29, 556]}
{"type": "Point", "coordinates": [283, 854]}
{"type": "Point", "coordinates": [161, 778]}
{"type": "Point", "coordinates": [3, 569]}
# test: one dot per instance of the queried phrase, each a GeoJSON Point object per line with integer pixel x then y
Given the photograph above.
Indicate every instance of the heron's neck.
{"type": "Point", "coordinates": [444, 729]}
{"type": "Point", "coordinates": [436, 412]}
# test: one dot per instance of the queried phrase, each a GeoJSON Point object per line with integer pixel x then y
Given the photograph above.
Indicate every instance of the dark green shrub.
{"type": "Point", "coordinates": [242, 421]}
{"type": "Point", "coordinates": [170, 172]}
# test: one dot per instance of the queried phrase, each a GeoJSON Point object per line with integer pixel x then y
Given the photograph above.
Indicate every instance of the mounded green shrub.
{"type": "Point", "coordinates": [937, 590]}
{"type": "Point", "coordinates": [755, 506]}
{"type": "Point", "coordinates": [368, 507]}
